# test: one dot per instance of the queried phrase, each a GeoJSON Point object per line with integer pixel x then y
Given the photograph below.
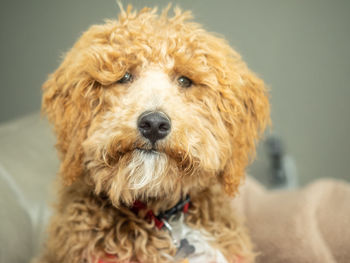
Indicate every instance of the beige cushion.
{"type": "Point", "coordinates": [28, 165]}
{"type": "Point", "coordinates": [307, 225]}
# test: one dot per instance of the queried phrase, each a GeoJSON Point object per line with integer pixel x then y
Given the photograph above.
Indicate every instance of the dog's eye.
{"type": "Point", "coordinates": [184, 82]}
{"type": "Point", "coordinates": [126, 78]}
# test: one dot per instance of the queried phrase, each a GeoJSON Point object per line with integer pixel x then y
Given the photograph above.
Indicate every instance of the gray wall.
{"type": "Point", "coordinates": [300, 48]}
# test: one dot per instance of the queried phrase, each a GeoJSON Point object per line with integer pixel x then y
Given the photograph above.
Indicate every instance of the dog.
{"type": "Point", "coordinates": [156, 120]}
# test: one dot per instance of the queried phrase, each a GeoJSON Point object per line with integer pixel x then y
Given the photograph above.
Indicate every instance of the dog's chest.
{"type": "Point", "coordinates": [193, 245]}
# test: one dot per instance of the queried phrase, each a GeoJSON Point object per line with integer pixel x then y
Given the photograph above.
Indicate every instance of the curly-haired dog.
{"type": "Point", "coordinates": [151, 111]}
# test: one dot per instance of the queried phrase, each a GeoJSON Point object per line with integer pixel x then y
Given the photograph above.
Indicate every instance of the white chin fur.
{"type": "Point", "coordinates": [146, 168]}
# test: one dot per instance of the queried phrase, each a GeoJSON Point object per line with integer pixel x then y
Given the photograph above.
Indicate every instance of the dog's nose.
{"type": "Point", "coordinates": [154, 125]}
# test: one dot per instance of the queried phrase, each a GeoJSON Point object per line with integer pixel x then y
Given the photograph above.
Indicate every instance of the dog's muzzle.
{"type": "Point", "coordinates": [154, 125]}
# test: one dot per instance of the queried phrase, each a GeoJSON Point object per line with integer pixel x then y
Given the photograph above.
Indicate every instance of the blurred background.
{"type": "Point", "coordinates": [300, 48]}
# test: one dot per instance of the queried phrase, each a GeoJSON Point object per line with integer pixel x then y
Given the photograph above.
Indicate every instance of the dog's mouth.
{"type": "Point", "coordinates": [148, 147]}
{"type": "Point", "coordinates": [141, 150]}
{"type": "Point", "coordinates": [147, 150]}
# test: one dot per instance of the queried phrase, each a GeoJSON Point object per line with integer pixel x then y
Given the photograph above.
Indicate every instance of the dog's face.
{"type": "Point", "coordinates": [150, 106]}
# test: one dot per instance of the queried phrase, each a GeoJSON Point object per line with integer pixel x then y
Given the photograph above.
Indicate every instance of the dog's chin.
{"type": "Point", "coordinates": [127, 172]}
{"type": "Point", "coordinates": [151, 173]}
{"type": "Point", "coordinates": [146, 168]}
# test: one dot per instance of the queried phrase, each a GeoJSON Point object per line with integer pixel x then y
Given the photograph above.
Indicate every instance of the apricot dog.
{"type": "Point", "coordinates": [156, 120]}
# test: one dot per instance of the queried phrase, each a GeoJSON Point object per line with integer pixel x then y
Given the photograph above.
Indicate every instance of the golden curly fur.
{"type": "Point", "coordinates": [106, 164]}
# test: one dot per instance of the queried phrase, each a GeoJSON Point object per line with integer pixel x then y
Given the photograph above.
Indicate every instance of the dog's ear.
{"type": "Point", "coordinates": [246, 111]}
{"type": "Point", "coordinates": [64, 104]}
{"type": "Point", "coordinates": [73, 93]}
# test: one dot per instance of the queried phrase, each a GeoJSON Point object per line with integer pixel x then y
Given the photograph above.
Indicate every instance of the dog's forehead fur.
{"type": "Point", "coordinates": [140, 39]}
{"type": "Point", "coordinates": [214, 123]}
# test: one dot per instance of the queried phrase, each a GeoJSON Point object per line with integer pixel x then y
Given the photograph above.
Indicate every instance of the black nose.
{"type": "Point", "coordinates": [154, 125]}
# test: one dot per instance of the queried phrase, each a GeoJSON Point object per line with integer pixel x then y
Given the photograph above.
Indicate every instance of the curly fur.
{"type": "Point", "coordinates": [215, 124]}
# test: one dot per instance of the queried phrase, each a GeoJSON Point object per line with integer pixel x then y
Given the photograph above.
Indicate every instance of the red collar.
{"type": "Point", "coordinates": [161, 220]}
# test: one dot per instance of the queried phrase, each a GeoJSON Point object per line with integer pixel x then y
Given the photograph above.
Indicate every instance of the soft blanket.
{"type": "Point", "coordinates": [306, 225]}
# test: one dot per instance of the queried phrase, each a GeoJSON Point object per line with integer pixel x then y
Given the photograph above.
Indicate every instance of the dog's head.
{"type": "Point", "coordinates": [150, 106]}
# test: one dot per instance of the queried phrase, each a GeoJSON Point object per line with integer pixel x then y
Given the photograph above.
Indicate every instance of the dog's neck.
{"type": "Point", "coordinates": [156, 204]}
{"type": "Point", "coordinates": [161, 220]}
